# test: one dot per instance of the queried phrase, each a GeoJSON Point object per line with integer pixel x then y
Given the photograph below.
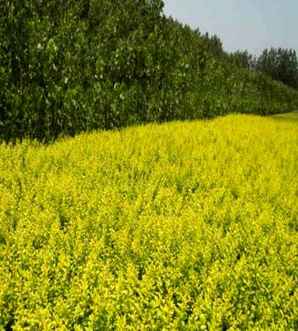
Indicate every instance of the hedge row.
{"type": "Point", "coordinates": [151, 229]}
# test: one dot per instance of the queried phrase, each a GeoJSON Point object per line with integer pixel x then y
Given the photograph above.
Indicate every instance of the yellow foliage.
{"type": "Point", "coordinates": [182, 226]}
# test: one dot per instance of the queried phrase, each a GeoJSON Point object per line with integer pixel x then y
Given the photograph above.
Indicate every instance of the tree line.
{"type": "Point", "coordinates": [79, 65]}
{"type": "Point", "coordinates": [280, 64]}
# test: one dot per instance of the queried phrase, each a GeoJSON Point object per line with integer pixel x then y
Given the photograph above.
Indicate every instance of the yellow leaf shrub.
{"type": "Point", "coordinates": [183, 226]}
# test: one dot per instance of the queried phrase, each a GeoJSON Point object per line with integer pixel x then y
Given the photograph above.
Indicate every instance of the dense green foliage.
{"type": "Point", "coordinates": [184, 226]}
{"type": "Point", "coordinates": [71, 66]}
{"type": "Point", "coordinates": [280, 64]}
{"type": "Point", "coordinates": [243, 59]}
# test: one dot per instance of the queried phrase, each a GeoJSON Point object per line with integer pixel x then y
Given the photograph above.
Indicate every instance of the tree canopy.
{"type": "Point", "coordinates": [76, 65]}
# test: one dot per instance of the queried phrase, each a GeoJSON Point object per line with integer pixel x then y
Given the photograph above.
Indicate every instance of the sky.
{"type": "Point", "coordinates": [241, 24]}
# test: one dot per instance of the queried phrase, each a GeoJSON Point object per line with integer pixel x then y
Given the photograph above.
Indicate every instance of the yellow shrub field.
{"type": "Point", "coordinates": [180, 226]}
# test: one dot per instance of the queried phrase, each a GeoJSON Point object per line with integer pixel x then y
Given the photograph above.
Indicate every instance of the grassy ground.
{"type": "Point", "coordinates": [293, 116]}
{"type": "Point", "coordinates": [182, 226]}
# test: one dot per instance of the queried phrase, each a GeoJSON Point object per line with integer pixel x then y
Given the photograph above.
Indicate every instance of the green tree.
{"type": "Point", "coordinates": [243, 59]}
{"type": "Point", "coordinates": [280, 64]}
{"type": "Point", "coordinates": [78, 65]}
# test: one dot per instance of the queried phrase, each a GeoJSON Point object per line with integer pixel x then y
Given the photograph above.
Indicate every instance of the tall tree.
{"type": "Point", "coordinates": [243, 59]}
{"type": "Point", "coordinates": [280, 64]}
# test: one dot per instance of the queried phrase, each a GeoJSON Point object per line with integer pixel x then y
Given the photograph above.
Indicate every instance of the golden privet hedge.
{"type": "Point", "coordinates": [183, 226]}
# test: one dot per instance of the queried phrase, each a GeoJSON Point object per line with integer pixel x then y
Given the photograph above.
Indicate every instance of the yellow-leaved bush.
{"type": "Point", "coordinates": [182, 226]}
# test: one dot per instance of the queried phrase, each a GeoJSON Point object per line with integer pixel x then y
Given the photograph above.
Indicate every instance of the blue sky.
{"type": "Point", "coordinates": [242, 24]}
